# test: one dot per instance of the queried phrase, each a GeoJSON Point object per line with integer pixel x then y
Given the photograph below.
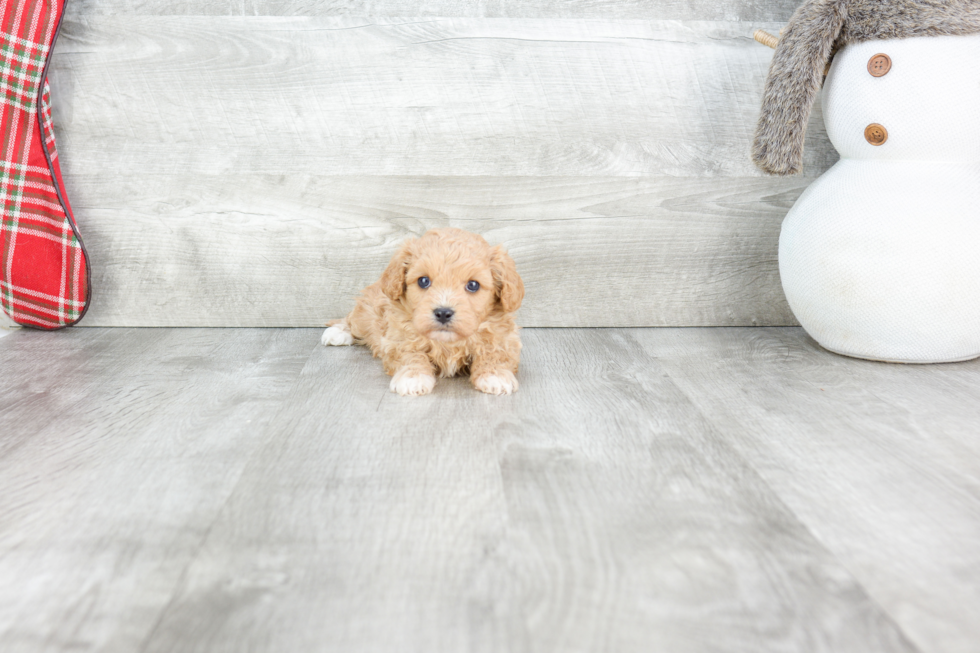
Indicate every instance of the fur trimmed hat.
{"type": "Point", "coordinates": [816, 30]}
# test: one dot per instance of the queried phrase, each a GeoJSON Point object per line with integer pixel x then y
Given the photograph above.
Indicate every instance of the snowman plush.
{"type": "Point", "coordinates": [880, 256]}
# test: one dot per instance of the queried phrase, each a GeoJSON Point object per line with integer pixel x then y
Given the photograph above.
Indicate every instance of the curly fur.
{"type": "Point", "coordinates": [816, 30]}
{"type": "Point", "coordinates": [394, 316]}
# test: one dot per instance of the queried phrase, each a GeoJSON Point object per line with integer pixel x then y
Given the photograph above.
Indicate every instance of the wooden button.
{"type": "Point", "coordinates": [879, 65]}
{"type": "Point", "coordinates": [875, 134]}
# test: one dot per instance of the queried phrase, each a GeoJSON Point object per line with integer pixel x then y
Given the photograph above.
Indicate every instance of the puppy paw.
{"type": "Point", "coordinates": [411, 382]}
{"type": "Point", "coordinates": [336, 336]}
{"type": "Point", "coordinates": [500, 382]}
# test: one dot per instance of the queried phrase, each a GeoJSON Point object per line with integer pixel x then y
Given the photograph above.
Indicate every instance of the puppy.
{"type": "Point", "coordinates": [444, 306]}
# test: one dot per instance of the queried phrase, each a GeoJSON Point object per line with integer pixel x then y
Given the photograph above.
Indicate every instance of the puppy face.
{"type": "Point", "coordinates": [452, 281]}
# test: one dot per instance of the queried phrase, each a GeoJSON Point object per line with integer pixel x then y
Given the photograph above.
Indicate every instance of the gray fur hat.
{"type": "Point", "coordinates": [816, 30]}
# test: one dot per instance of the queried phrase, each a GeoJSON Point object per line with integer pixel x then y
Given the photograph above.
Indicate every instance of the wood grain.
{"type": "Point", "coordinates": [646, 489]}
{"type": "Point", "coordinates": [757, 10]}
{"type": "Point", "coordinates": [7, 326]}
{"type": "Point", "coordinates": [295, 251]}
{"type": "Point", "coordinates": [258, 170]}
{"type": "Point", "coordinates": [881, 462]}
{"type": "Point", "coordinates": [118, 448]}
{"type": "Point", "coordinates": [595, 510]}
{"type": "Point", "coordinates": [293, 95]}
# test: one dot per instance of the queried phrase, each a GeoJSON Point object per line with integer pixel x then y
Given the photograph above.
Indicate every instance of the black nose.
{"type": "Point", "coordinates": [443, 314]}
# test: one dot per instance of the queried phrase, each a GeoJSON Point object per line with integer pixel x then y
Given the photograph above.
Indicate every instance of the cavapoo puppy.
{"type": "Point", "coordinates": [444, 306]}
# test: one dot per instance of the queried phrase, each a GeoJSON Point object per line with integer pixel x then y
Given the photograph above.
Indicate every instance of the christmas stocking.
{"type": "Point", "coordinates": [44, 275]}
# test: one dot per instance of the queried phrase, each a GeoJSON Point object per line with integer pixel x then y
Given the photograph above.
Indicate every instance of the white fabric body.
{"type": "Point", "coordinates": [929, 101]}
{"type": "Point", "coordinates": [880, 257]}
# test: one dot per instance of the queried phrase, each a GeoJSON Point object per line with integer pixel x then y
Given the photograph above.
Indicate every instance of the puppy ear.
{"type": "Point", "coordinates": [393, 278]}
{"type": "Point", "coordinates": [507, 282]}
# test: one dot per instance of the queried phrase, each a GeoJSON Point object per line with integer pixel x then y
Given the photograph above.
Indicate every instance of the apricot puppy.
{"type": "Point", "coordinates": [444, 306]}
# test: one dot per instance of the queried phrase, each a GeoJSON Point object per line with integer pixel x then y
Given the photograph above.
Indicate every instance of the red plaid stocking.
{"type": "Point", "coordinates": [44, 276]}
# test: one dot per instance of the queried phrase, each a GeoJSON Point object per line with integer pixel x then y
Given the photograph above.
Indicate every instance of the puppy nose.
{"type": "Point", "coordinates": [443, 314]}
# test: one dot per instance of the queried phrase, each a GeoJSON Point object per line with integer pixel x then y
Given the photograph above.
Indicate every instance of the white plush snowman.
{"type": "Point", "coordinates": [880, 256]}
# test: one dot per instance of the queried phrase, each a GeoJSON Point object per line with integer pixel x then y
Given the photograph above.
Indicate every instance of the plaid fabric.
{"type": "Point", "coordinates": [44, 280]}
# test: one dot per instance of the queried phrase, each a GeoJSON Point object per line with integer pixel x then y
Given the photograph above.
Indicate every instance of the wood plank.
{"type": "Point", "coordinates": [757, 10]}
{"type": "Point", "coordinates": [595, 510]}
{"type": "Point", "coordinates": [118, 448]}
{"type": "Point", "coordinates": [198, 95]}
{"type": "Point", "coordinates": [881, 462]}
{"type": "Point", "coordinates": [266, 250]}
{"type": "Point", "coordinates": [173, 130]}
{"type": "Point", "coordinates": [7, 326]}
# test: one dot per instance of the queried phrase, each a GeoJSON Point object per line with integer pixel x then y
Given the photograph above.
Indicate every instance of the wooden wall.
{"type": "Point", "coordinates": [255, 163]}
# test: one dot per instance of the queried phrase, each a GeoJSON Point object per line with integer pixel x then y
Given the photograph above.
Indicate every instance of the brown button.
{"type": "Point", "coordinates": [875, 134]}
{"type": "Point", "coordinates": [879, 65]}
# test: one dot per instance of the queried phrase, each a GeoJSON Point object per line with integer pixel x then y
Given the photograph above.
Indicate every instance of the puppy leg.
{"type": "Point", "coordinates": [413, 375]}
{"type": "Point", "coordinates": [412, 380]}
{"type": "Point", "coordinates": [493, 373]}
{"type": "Point", "coordinates": [408, 381]}
{"type": "Point", "coordinates": [496, 382]}
{"type": "Point", "coordinates": [337, 335]}
{"type": "Point", "coordinates": [496, 356]}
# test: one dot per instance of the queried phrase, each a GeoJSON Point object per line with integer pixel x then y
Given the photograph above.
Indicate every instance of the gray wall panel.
{"type": "Point", "coordinates": [258, 170]}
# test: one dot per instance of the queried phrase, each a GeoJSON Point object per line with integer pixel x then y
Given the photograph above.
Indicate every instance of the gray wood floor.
{"type": "Point", "coordinates": [645, 490]}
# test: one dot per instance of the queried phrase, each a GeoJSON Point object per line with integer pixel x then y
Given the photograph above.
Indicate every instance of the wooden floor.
{"type": "Point", "coordinates": [731, 489]}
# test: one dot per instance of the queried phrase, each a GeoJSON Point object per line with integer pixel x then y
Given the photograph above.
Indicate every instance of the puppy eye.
{"type": "Point", "coordinates": [424, 282]}
{"type": "Point", "coordinates": [473, 286]}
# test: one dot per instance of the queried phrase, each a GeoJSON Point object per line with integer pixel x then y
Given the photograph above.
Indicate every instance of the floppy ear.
{"type": "Point", "coordinates": [795, 77]}
{"type": "Point", "coordinates": [506, 281]}
{"type": "Point", "coordinates": [393, 278]}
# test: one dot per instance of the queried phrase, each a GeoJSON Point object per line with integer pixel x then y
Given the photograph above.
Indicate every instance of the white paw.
{"type": "Point", "coordinates": [409, 382]}
{"type": "Point", "coordinates": [501, 382]}
{"type": "Point", "coordinates": [336, 336]}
